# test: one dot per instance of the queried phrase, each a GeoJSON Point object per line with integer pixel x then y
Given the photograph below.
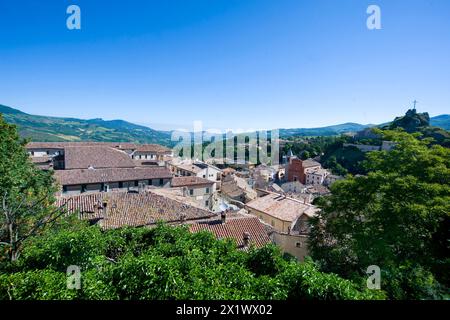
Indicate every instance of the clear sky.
{"type": "Point", "coordinates": [235, 64]}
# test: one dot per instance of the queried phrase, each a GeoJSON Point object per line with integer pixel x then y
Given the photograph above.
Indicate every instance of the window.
{"type": "Point", "coordinates": [207, 190]}
{"type": "Point", "coordinates": [161, 182]}
{"type": "Point", "coordinates": [120, 184]}
{"type": "Point", "coordinates": [150, 182]}
{"type": "Point", "coordinates": [64, 189]}
{"type": "Point", "coordinates": [136, 183]}
{"type": "Point", "coordinates": [206, 203]}
{"type": "Point", "coordinates": [191, 192]}
{"type": "Point", "coordinates": [83, 188]}
{"type": "Point", "coordinates": [272, 223]}
{"type": "Point", "coordinates": [298, 244]}
{"type": "Point", "coordinates": [204, 176]}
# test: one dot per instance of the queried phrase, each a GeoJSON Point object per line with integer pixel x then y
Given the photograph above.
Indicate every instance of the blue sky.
{"type": "Point", "coordinates": [235, 64]}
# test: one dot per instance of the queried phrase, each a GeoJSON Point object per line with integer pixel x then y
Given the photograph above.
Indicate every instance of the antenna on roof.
{"type": "Point", "coordinates": [414, 102]}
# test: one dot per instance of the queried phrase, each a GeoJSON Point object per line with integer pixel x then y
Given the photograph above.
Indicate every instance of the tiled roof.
{"type": "Point", "coordinates": [43, 159]}
{"type": "Point", "coordinates": [152, 148]}
{"type": "Point", "coordinates": [310, 163]}
{"type": "Point", "coordinates": [177, 194]}
{"type": "Point", "coordinates": [83, 157]}
{"type": "Point", "coordinates": [89, 176]}
{"type": "Point", "coordinates": [235, 229]}
{"type": "Point", "coordinates": [235, 187]}
{"type": "Point", "coordinates": [190, 181]}
{"type": "Point", "coordinates": [119, 145]}
{"type": "Point", "coordinates": [282, 207]}
{"type": "Point", "coordinates": [318, 189]}
{"type": "Point", "coordinates": [132, 209]}
{"type": "Point", "coordinates": [317, 171]}
{"type": "Point", "coordinates": [188, 167]}
{"type": "Point", "coordinates": [228, 170]}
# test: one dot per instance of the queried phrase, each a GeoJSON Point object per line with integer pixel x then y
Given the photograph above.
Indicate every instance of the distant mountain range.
{"type": "Point", "coordinates": [43, 128]}
{"type": "Point", "coordinates": [48, 129]}
{"type": "Point", "coordinates": [324, 131]}
{"type": "Point", "coordinates": [442, 121]}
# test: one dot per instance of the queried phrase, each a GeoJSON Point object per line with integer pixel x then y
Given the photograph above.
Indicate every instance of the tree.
{"type": "Point", "coordinates": [305, 155]}
{"type": "Point", "coordinates": [391, 218]}
{"type": "Point", "coordinates": [163, 262]}
{"type": "Point", "coordinates": [26, 194]}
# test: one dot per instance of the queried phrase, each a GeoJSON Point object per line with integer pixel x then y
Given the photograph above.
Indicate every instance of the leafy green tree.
{"type": "Point", "coordinates": [162, 263]}
{"type": "Point", "coordinates": [391, 218]}
{"type": "Point", "coordinates": [26, 194]}
{"type": "Point", "coordinates": [305, 155]}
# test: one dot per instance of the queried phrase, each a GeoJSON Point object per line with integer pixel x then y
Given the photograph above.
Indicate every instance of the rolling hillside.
{"type": "Point", "coordinates": [323, 131]}
{"type": "Point", "coordinates": [42, 128]}
{"type": "Point", "coordinates": [442, 121]}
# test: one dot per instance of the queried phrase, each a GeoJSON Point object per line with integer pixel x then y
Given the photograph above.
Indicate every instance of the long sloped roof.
{"type": "Point", "coordinates": [83, 157]}
{"type": "Point", "coordinates": [89, 176]}
{"type": "Point", "coordinates": [131, 209]}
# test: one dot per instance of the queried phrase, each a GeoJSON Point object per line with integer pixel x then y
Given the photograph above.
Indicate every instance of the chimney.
{"type": "Point", "coordinates": [223, 217]}
{"type": "Point", "coordinates": [246, 238]}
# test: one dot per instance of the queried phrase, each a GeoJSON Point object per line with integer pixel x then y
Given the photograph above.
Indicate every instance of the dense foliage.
{"type": "Point", "coordinates": [26, 193]}
{"type": "Point", "coordinates": [162, 263]}
{"type": "Point", "coordinates": [396, 217]}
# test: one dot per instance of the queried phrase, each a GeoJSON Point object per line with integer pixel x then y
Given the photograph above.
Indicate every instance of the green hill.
{"type": "Point", "coordinates": [442, 121]}
{"type": "Point", "coordinates": [413, 121]}
{"type": "Point", "coordinates": [42, 128]}
{"type": "Point", "coordinates": [323, 131]}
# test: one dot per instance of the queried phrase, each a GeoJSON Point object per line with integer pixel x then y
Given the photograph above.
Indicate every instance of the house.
{"type": "Point", "coordinates": [234, 188]}
{"type": "Point", "coordinates": [331, 178]}
{"type": "Point", "coordinates": [262, 175]}
{"type": "Point", "coordinates": [297, 167]}
{"type": "Point", "coordinates": [316, 176]}
{"type": "Point", "coordinates": [289, 219]}
{"type": "Point", "coordinates": [293, 187]}
{"type": "Point", "coordinates": [244, 229]}
{"type": "Point", "coordinates": [76, 181]}
{"type": "Point", "coordinates": [228, 171]}
{"type": "Point", "coordinates": [120, 209]}
{"type": "Point", "coordinates": [78, 155]}
{"type": "Point", "coordinates": [188, 168]}
{"type": "Point", "coordinates": [200, 189]}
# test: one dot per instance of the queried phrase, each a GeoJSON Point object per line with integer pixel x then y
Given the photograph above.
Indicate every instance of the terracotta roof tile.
{"type": "Point", "coordinates": [282, 207]}
{"type": "Point", "coordinates": [87, 176]}
{"type": "Point", "coordinates": [83, 157]}
{"type": "Point", "coordinates": [235, 229]}
{"type": "Point", "coordinates": [190, 181]}
{"type": "Point", "coordinates": [118, 145]}
{"type": "Point", "coordinates": [132, 209]}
